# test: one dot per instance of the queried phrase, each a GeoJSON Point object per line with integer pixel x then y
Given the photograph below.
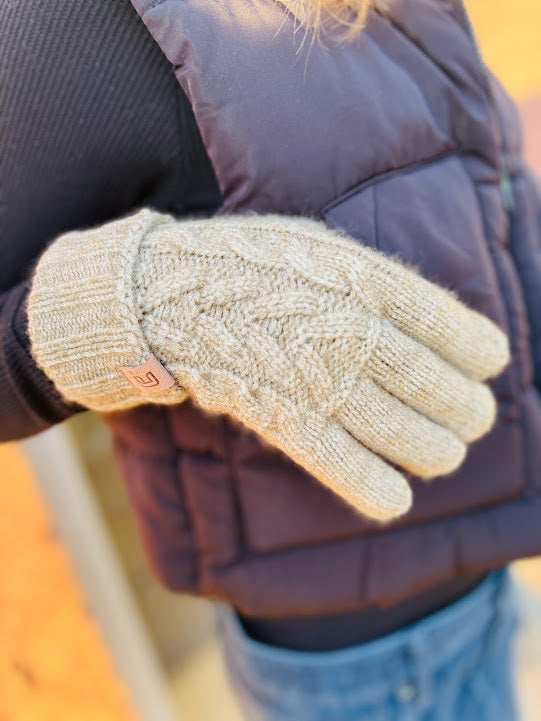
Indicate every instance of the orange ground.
{"type": "Point", "coordinates": [53, 662]}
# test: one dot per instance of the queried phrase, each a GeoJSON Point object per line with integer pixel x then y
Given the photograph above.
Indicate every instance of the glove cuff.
{"type": "Point", "coordinates": [83, 316]}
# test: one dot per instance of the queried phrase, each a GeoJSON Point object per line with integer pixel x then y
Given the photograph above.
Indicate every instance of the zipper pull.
{"type": "Point", "coordinates": [506, 186]}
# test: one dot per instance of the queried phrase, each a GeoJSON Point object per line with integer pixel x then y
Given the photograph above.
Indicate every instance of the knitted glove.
{"type": "Point", "coordinates": [332, 352]}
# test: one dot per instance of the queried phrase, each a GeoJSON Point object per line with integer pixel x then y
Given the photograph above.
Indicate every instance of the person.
{"type": "Point", "coordinates": [142, 246]}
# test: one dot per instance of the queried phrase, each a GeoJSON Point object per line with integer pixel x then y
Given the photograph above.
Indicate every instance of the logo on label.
{"type": "Point", "coordinates": [150, 377]}
{"type": "Point", "coordinates": [149, 381]}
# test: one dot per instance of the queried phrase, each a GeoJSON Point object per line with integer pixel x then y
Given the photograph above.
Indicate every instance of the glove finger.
{"type": "Point", "coordinates": [400, 434]}
{"type": "Point", "coordinates": [326, 450]}
{"type": "Point", "coordinates": [434, 317]}
{"type": "Point", "coordinates": [319, 444]}
{"type": "Point", "coordinates": [421, 379]}
{"type": "Point", "coordinates": [418, 307]}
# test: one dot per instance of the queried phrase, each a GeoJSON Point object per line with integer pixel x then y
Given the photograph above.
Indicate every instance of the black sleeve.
{"type": "Point", "coordinates": [94, 125]}
{"type": "Point", "coordinates": [29, 401]}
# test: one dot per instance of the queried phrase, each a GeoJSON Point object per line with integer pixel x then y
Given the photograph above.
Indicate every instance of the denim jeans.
{"type": "Point", "coordinates": [454, 665]}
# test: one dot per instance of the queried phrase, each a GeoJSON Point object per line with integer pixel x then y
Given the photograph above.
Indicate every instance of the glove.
{"type": "Point", "coordinates": [331, 352]}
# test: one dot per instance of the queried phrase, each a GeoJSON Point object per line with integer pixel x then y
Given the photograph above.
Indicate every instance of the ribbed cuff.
{"type": "Point", "coordinates": [83, 316]}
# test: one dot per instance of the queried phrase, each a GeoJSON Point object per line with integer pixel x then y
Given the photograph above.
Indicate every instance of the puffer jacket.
{"type": "Point", "coordinates": [404, 140]}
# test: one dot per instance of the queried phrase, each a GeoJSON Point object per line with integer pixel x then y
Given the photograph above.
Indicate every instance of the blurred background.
{"type": "Point", "coordinates": [85, 631]}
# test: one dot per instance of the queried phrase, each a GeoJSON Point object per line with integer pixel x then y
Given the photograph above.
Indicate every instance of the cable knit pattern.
{"type": "Point", "coordinates": [332, 352]}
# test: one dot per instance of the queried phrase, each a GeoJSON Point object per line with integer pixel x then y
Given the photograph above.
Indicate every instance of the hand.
{"type": "Point", "coordinates": [330, 351]}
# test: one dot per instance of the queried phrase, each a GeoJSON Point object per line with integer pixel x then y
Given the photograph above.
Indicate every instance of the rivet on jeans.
{"type": "Point", "coordinates": [406, 692]}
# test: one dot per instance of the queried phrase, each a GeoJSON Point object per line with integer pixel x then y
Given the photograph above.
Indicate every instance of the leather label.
{"type": "Point", "coordinates": [150, 377]}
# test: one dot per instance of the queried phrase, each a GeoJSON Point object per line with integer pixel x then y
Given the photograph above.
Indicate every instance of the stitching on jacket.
{"type": "Point", "coordinates": [403, 32]}
{"type": "Point", "coordinates": [153, 5]}
{"type": "Point", "coordinates": [375, 215]}
{"type": "Point", "coordinates": [502, 287]}
{"type": "Point", "coordinates": [181, 495]}
{"type": "Point", "coordinates": [240, 540]}
{"type": "Point", "coordinates": [386, 174]}
{"type": "Point", "coordinates": [366, 567]}
{"type": "Point", "coordinates": [526, 457]}
{"type": "Point", "coordinates": [467, 515]}
{"type": "Point", "coordinates": [191, 555]}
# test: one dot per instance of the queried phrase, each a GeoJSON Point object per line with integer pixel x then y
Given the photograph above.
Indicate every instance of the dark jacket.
{"type": "Point", "coordinates": [403, 141]}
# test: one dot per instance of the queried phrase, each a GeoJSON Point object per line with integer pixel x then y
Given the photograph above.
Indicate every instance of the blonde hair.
{"type": "Point", "coordinates": [318, 15]}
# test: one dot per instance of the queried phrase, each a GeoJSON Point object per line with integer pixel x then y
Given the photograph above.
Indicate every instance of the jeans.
{"type": "Point", "coordinates": [454, 665]}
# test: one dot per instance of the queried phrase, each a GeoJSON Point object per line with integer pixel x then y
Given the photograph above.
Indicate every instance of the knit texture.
{"type": "Point", "coordinates": [332, 352]}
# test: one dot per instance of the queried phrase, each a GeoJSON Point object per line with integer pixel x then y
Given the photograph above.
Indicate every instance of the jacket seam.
{"type": "Point", "coordinates": [241, 536]}
{"type": "Point", "coordinates": [390, 173]}
{"type": "Point", "coordinates": [153, 5]}
{"type": "Point", "coordinates": [369, 539]}
{"type": "Point", "coordinates": [513, 377]}
{"type": "Point", "coordinates": [424, 52]}
{"type": "Point", "coordinates": [181, 496]}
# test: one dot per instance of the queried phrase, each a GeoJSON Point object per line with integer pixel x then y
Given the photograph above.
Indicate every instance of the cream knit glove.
{"type": "Point", "coordinates": [333, 353]}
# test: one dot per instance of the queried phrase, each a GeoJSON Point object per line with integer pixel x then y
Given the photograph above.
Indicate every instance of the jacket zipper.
{"type": "Point", "coordinates": [506, 185]}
